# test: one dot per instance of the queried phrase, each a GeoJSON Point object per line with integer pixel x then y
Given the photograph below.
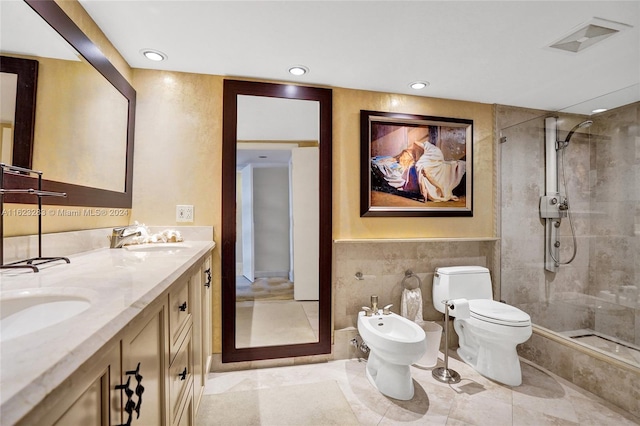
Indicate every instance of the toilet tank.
{"type": "Point", "coordinates": [460, 282]}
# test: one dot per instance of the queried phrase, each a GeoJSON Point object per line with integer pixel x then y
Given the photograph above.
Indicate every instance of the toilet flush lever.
{"type": "Point", "coordinates": [387, 309]}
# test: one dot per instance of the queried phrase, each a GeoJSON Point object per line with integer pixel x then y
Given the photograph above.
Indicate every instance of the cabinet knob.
{"type": "Point", "coordinates": [183, 307]}
{"type": "Point", "coordinates": [183, 375]}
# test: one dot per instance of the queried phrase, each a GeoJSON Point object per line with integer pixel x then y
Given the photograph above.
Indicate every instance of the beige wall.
{"type": "Point", "coordinates": [348, 224]}
{"type": "Point", "coordinates": [178, 156]}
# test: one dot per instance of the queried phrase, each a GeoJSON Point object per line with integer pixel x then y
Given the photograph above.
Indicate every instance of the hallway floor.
{"type": "Point", "coordinates": [338, 393]}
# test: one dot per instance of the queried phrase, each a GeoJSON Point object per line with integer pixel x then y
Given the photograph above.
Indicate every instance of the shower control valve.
{"type": "Point", "coordinates": [553, 207]}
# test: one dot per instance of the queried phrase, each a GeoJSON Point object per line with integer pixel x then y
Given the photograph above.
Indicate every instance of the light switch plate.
{"type": "Point", "coordinates": [184, 213]}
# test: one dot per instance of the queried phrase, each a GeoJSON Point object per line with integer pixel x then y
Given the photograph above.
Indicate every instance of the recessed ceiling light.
{"type": "Point", "coordinates": [153, 55]}
{"type": "Point", "coordinates": [598, 110]}
{"type": "Point", "coordinates": [417, 85]}
{"type": "Point", "coordinates": [298, 70]}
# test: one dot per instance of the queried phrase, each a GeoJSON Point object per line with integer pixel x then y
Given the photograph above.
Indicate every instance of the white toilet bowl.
{"type": "Point", "coordinates": [488, 339]}
{"type": "Point", "coordinates": [394, 343]}
{"type": "Point", "coordinates": [489, 331]}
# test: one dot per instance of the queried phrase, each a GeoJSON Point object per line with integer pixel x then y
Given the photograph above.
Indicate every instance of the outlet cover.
{"type": "Point", "coordinates": [184, 213]}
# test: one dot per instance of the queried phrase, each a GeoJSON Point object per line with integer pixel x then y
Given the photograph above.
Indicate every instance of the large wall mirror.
{"type": "Point", "coordinates": [276, 221]}
{"type": "Point", "coordinates": [76, 124]}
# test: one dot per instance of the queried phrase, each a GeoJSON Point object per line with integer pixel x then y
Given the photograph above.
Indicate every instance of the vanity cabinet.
{"type": "Point", "coordinates": [151, 373]}
{"type": "Point", "coordinates": [143, 369]}
{"type": "Point", "coordinates": [202, 325]}
{"type": "Point", "coordinates": [88, 397]}
{"type": "Point", "coordinates": [180, 390]}
{"type": "Point", "coordinates": [97, 404]}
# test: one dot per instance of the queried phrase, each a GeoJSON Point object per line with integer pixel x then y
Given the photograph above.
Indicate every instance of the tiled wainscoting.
{"type": "Point", "coordinates": [383, 264]}
{"type": "Point", "coordinates": [612, 380]}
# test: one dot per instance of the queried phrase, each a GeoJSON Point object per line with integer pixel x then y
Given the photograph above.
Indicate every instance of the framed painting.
{"type": "Point", "coordinates": [415, 165]}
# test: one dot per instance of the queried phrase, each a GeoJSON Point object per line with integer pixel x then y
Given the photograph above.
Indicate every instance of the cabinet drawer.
{"type": "Point", "coordinates": [179, 315]}
{"type": "Point", "coordinates": [186, 416]}
{"type": "Point", "coordinates": [180, 377]}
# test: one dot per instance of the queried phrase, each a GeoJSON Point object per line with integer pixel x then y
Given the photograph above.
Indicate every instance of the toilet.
{"type": "Point", "coordinates": [489, 335]}
{"type": "Point", "coordinates": [394, 344]}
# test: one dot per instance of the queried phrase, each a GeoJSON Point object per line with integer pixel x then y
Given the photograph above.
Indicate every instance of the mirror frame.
{"type": "Point", "coordinates": [78, 195]}
{"type": "Point", "coordinates": [233, 88]}
{"type": "Point", "coordinates": [27, 72]}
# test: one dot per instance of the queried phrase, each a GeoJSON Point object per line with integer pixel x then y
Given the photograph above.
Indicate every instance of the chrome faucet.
{"type": "Point", "coordinates": [118, 237]}
{"type": "Point", "coordinates": [374, 305]}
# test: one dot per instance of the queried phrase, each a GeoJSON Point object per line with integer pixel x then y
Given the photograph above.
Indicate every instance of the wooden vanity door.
{"type": "Point", "coordinates": [99, 404]}
{"type": "Point", "coordinates": [143, 368]}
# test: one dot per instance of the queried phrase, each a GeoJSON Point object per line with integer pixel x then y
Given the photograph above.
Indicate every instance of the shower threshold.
{"type": "Point", "coordinates": [606, 343]}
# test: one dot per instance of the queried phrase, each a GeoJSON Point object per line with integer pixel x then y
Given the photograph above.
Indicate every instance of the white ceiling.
{"type": "Point", "coordinates": [482, 51]}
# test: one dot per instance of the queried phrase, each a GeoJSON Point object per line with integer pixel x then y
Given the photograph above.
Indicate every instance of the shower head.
{"type": "Point", "coordinates": [583, 125]}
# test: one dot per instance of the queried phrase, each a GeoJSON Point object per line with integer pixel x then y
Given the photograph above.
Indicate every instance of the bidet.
{"type": "Point", "coordinates": [394, 343]}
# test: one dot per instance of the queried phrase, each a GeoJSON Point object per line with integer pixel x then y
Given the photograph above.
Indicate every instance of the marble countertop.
{"type": "Point", "coordinates": [120, 283]}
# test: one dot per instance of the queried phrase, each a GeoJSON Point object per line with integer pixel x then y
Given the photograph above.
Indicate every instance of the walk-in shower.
{"type": "Point", "coordinates": [554, 205]}
{"type": "Point", "coordinates": [569, 181]}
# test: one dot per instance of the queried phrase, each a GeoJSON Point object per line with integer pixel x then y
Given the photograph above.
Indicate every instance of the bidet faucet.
{"type": "Point", "coordinates": [118, 237]}
{"type": "Point", "coordinates": [374, 305]}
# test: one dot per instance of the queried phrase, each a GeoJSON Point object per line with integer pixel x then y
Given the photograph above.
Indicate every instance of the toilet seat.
{"type": "Point", "coordinates": [498, 313]}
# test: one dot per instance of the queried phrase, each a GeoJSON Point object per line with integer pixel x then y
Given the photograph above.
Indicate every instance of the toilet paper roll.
{"type": "Point", "coordinates": [459, 308]}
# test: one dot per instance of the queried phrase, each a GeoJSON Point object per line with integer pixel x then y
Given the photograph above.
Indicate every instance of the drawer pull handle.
{"type": "Point", "coordinates": [139, 391]}
{"type": "Point", "coordinates": [135, 373]}
{"type": "Point", "coordinates": [130, 406]}
{"type": "Point", "coordinates": [183, 375]}
{"type": "Point", "coordinates": [208, 282]}
{"type": "Point", "coordinates": [183, 307]}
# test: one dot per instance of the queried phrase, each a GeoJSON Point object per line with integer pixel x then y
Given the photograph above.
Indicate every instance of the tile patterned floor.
{"type": "Point", "coordinates": [542, 399]}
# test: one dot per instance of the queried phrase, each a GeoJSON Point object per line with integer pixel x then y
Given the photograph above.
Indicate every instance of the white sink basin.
{"type": "Point", "coordinates": [157, 247]}
{"type": "Point", "coordinates": [27, 311]}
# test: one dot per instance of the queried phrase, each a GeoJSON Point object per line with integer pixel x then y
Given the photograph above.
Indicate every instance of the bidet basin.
{"type": "Point", "coordinates": [400, 340]}
{"type": "Point", "coordinates": [27, 311]}
{"type": "Point", "coordinates": [395, 343]}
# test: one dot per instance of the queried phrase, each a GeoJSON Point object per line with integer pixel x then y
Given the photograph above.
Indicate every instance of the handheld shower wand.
{"type": "Point", "coordinates": [563, 144]}
{"type": "Point", "coordinates": [564, 205]}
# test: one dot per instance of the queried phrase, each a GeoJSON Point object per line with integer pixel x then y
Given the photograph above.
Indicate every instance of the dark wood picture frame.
{"type": "Point", "coordinates": [415, 165]}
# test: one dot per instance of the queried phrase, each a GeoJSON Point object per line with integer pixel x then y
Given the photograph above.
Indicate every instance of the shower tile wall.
{"type": "Point", "coordinates": [615, 202]}
{"type": "Point", "coordinates": [597, 291]}
{"type": "Point", "coordinates": [384, 263]}
{"type": "Point", "coordinates": [603, 178]}
{"type": "Point", "coordinates": [526, 284]}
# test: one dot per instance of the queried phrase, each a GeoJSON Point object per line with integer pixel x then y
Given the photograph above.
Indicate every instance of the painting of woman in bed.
{"type": "Point", "coordinates": [422, 164]}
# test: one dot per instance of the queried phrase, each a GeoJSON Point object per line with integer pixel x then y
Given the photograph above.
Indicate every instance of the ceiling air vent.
{"type": "Point", "coordinates": [589, 34]}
